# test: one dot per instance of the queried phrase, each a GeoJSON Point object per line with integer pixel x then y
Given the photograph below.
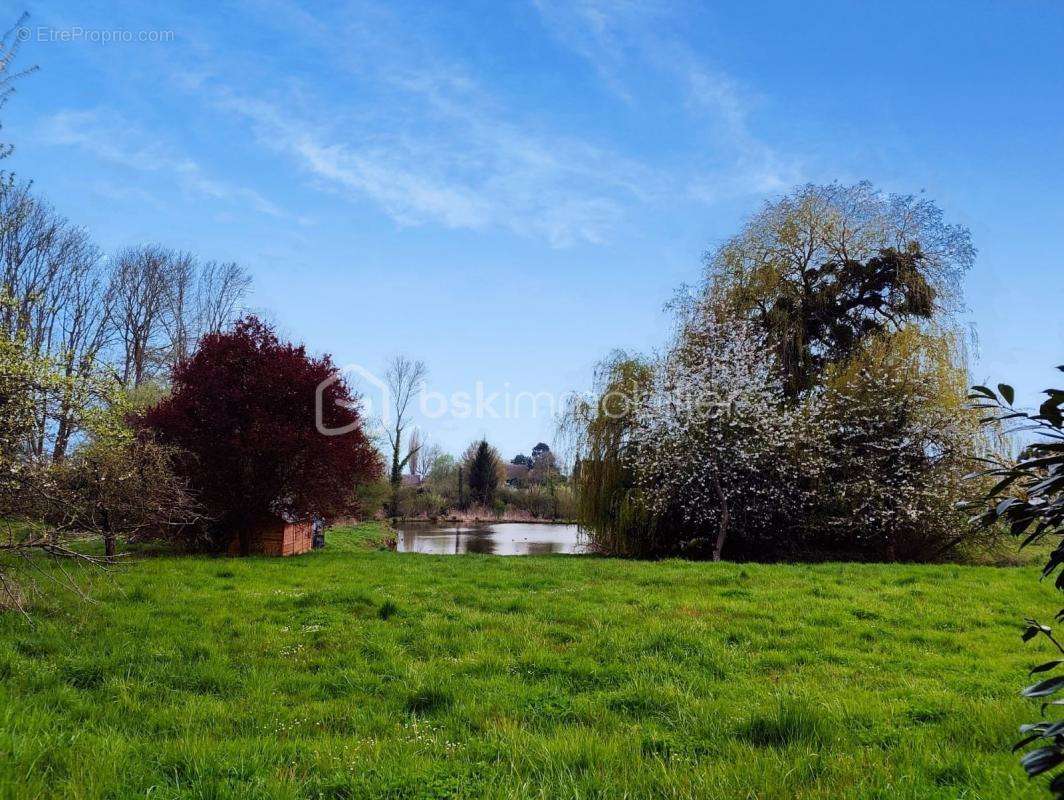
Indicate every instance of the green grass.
{"type": "Point", "coordinates": [359, 673]}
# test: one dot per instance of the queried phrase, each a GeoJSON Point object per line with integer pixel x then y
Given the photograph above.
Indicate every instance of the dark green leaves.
{"type": "Point", "coordinates": [1046, 666]}
{"type": "Point", "coordinates": [1038, 761]}
{"type": "Point", "coordinates": [1028, 496]}
{"type": "Point", "coordinates": [1045, 688]}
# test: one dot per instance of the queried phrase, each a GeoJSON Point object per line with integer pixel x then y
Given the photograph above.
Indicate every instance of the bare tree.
{"type": "Point", "coordinates": [140, 286]}
{"type": "Point", "coordinates": [413, 447]}
{"type": "Point", "coordinates": [54, 305]}
{"type": "Point", "coordinates": [427, 458]}
{"type": "Point", "coordinates": [201, 298]}
{"type": "Point", "coordinates": [220, 291]}
{"type": "Point", "coordinates": [82, 337]}
{"type": "Point", "coordinates": [404, 379]}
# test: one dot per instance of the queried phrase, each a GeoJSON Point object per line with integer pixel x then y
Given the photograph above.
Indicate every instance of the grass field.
{"type": "Point", "coordinates": [359, 673]}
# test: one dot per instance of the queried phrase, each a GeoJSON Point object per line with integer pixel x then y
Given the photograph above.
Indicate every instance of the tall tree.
{"type": "Point", "coordinates": [404, 379]}
{"type": "Point", "coordinates": [164, 302]}
{"type": "Point", "coordinates": [140, 284]}
{"type": "Point", "coordinates": [826, 266]}
{"type": "Point", "coordinates": [54, 303]}
{"type": "Point", "coordinates": [484, 467]}
{"type": "Point", "coordinates": [201, 298]}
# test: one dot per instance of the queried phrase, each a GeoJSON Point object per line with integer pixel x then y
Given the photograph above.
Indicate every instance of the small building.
{"type": "Point", "coordinates": [277, 536]}
{"type": "Point", "coordinates": [517, 474]}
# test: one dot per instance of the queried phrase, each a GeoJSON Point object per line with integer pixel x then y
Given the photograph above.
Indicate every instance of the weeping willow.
{"type": "Point", "coordinates": [608, 506]}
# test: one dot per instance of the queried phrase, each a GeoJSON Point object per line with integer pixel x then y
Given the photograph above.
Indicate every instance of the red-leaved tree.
{"type": "Point", "coordinates": [243, 411]}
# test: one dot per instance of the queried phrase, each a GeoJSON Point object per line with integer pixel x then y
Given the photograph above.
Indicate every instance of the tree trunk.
{"type": "Point", "coordinates": [62, 436]}
{"type": "Point", "coordinates": [108, 536]}
{"type": "Point", "coordinates": [397, 471]}
{"type": "Point", "coordinates": [722, 533]}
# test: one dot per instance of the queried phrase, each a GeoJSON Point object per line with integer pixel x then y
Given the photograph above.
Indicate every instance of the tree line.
{"type": "Point", "coordinates": [98, 324]}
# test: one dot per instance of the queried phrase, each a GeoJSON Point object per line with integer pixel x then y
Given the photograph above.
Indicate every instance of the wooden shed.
{"type": "Point", "coordinates": [277, 536]}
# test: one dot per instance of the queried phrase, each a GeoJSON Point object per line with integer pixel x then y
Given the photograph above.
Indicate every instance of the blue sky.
{"type": "Point", "coordinates": [509, 190]}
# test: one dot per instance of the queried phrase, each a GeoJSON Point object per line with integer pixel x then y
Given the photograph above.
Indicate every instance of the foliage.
{"type": "Point", "coordinates": [530, 677]}
{"type": "Point", "coordinates": [372, 498]}
{"type": "Point", "coordinates": [20, 376]}
{"type": "Point", "coordinates": [539, 502]}
{"type": "Point", "coordinates": [442, 474]}
{"type": "Point", "coordinates": [126, 489]}
{"type": "Point", "coordinates": [1028, 497]}
{"type": "Point", "coordinates": [608, 502]}
{"type": "Point", "coordinates": [243, 409]}
{"type": "Point", "coordinates": [889, 452]}
{"type": "Point", "coordinates": [810, 403]}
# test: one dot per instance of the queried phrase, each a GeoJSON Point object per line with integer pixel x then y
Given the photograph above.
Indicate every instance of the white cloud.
{"type": "Point", "coordinates": [460, 163]}
{"type": "Point", "coordinates": [111, 138]}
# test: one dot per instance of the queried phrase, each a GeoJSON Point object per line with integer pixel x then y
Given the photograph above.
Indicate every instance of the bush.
{"type": "Point", "coordinates": [1028, 496]}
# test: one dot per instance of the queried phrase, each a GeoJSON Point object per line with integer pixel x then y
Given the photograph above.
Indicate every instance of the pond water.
{"type": "Point", "coordinates": [500, 539]}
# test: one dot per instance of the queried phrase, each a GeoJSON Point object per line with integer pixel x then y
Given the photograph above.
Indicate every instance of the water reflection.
{"type": "Point", "coordinates": [501, 539]}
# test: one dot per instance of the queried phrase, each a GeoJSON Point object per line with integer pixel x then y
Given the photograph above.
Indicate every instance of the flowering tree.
{"type": "Point", "coordinates": [711, 440]}
{"type": "Point", "coordinates": [890, 451]}
{"type": "Point", "coordinates": [243, 409]}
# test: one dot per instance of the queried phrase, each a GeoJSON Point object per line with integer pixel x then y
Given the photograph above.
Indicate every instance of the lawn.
{"type": "Point", "coordinates": [361, 673]}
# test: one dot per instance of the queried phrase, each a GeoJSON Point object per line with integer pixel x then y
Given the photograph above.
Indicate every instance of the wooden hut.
{"type": "Point", "coordinates": [277, 536]}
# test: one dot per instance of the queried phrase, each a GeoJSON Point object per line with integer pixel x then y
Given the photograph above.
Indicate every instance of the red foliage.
{"type": "Point", "coordinates": [243, 409]}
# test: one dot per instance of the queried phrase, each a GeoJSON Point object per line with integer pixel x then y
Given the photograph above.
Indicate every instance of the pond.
{"type": "Point", "coordinates": [500, 539]}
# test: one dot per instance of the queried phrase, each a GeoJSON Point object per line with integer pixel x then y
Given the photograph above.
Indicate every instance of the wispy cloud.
{"type": "Point", "coordinates": [618, 38]}
{"type": "Point", "coordinates": [460, 162]}
{"type": "Point", "coordinates": [111, 138]}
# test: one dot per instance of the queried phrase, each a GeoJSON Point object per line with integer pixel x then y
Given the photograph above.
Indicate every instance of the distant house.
{"type": "Point", "coordinates": [412, 480]}
{"type": "Point", "coordinates": [517, 474]}
{"type": "Point", "coordinates": [277, 536]}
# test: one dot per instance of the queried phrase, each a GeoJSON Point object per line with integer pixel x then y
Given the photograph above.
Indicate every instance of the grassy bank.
{"type": "Point", "coordinates": [355, 673]}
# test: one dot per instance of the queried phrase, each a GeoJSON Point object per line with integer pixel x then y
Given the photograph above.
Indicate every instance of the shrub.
{"type": "Point", "coordinates": [1028, 497]}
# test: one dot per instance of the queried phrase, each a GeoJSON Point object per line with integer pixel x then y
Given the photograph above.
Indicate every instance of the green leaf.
{"type": "Point", "coordinates": [1047, 666]}
{"type": "Point", "coordinates": [1007, 392]}
{"type": "Point", "coordinates": [1045, 688]}
{"type": "Point", "coordinates": [1038, 761]}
